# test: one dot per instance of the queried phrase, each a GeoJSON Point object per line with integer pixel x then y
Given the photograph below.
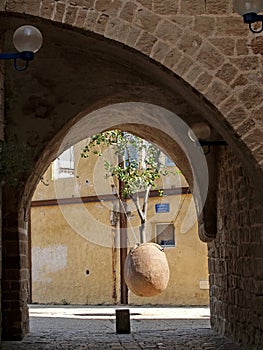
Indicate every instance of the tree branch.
{"type": "Point", "coordinates": [136, 201]}
{"type": "Point", "coordinates": [145, 201]}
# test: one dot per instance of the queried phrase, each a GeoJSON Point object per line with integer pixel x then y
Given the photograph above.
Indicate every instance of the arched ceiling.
{"type": "Point", "coordinates": [77, 73]}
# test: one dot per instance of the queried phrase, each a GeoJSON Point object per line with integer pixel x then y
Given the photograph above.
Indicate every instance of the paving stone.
{"type": "Point", "coordinates": [67, 332]}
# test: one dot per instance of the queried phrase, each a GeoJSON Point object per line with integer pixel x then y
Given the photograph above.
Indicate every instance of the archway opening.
{"type": "Point", "coordinates": [94, 222]}
{"type": "Point", "coordinates": [47, 100]}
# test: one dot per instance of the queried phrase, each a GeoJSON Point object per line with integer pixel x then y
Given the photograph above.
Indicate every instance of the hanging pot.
{"type": "Point", "coordinates": [146, 270]}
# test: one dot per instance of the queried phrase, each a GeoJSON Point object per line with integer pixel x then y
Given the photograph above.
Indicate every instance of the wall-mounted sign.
{"type": "Point", "coordinates": [162, 208]}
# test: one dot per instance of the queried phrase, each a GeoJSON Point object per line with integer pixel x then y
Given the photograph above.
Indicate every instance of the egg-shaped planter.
{"type": "Point", "coordinates": [146, 270]}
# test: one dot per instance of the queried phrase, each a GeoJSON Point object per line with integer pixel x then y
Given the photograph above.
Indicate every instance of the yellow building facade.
{"type": "Point", "coordinates": [75, 255]}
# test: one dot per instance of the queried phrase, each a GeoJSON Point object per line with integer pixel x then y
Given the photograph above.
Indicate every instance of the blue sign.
{"type": "Point", "coordinates": [162, 208]}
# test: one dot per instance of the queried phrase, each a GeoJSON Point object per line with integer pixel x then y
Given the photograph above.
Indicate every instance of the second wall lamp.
{"type": "Point", "coordinates": [27, 40]}
{"type": "Point", "coordinates": [199, 133]}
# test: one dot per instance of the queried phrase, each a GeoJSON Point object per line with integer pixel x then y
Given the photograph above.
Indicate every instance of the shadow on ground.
{"type": "Point", "coordinates": [95, 328]}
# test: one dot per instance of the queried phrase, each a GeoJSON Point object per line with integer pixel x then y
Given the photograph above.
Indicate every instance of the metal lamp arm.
{"type": "Point", "coordinates": [25, 56]}
{"type": "Point", "coordinates": [251, 18]}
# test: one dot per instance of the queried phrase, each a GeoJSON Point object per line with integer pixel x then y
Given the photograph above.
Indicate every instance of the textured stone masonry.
{"type": "Point", "coordinates": [205, 32]}
{"type": "Point", "coordinates": [1, 98]}
{"type": "Point", "coordinates": [207, 45]}
{"type": "Point", "coordinates": [236, 258]}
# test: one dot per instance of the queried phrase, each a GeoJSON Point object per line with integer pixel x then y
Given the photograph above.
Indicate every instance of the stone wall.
{"type": "Point", "coordinates": [1, 138]}
{"type": "Point", "coordinates": [1, 98]}
{"type": "Point", "coordinates": [0, 261]}
{"type": "Point", "coordinates": [204, 42]}
{"type": "Point", "coordinates": [236, 258]}
{"type": "Point", "coordinates": [15, 272]}
{"type": "Point", "coordinates": [207, 45]}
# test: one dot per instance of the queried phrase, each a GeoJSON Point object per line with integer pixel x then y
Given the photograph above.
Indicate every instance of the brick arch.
{"type": "Point", "coordinates": [204, 43]}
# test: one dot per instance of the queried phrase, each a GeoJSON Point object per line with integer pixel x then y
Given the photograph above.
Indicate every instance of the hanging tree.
{"type": "Point", "coordinates": [138, 169]}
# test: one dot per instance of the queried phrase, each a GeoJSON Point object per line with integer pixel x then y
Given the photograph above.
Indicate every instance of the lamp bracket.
{"type": "Point", "coordinates": [212, 143]}
{"type": "Point", "coordinates": [205, 145]}
{"type": "Point", "coordinates": [251, 18]}
{"type": "Point", "coordinates": [24, 55]}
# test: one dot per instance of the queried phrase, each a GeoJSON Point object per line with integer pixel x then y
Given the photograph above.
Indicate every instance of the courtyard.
{"type": "Point", "coordinates": [83, 327]}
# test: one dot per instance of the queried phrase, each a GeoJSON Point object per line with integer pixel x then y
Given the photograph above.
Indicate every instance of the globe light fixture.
{"type": "Point", "coordinates": [199, 133]}
{"type": "Point", "coordinates": [27, 40]}
{"type": "Point", "coordinates": [249, 9]}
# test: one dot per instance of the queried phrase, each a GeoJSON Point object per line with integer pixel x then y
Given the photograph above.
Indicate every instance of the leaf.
{"type": "Point", "coordinates": [140, 167]}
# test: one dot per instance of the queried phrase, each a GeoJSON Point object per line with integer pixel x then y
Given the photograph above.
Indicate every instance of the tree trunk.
{"type": "Point", "coordinates": [142, 232]}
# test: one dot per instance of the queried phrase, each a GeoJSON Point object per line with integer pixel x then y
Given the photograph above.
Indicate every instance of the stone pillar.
{"type": "Point", "coordinates": [0, 261]}
{"type": "Point", "coordinates": [1, 139]}
{"type": "Point", "coordinates": [208, 220]}
{"type": "Point", "coordinates": [1, 93]}
{"type": "Point", "coordinates": [15, 319]}
{"type": "Point", "coordinates": [236, 257]}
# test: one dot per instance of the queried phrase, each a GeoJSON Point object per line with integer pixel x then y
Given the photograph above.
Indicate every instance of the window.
{"type": "Point", "coordinates": [165, 234]}
{"type": "Point", "coordinates": [63, 166]}
{"type": "Point", "coordinates": [168, 161]}
{"type": "Point", "coordinates": [131, 154]}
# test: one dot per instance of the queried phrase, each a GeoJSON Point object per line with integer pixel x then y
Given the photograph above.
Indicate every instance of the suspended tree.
{"type": "Point", "coordinates": [138, 167]}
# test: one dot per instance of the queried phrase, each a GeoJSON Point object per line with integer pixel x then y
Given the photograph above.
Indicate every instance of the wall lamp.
{"type": "Point", "coordinates": [249, 9]}
{"type": "Point", "coordinates": [27, 40]}
{"type": "Point", "coordinates": [199, 133]}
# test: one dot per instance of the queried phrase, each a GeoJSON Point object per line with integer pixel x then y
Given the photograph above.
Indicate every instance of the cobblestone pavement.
{"type": "Point", "coordinates": [94, 328]}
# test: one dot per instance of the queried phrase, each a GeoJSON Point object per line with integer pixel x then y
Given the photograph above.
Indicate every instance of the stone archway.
{"type": "Point", "coordinates": [204, 43]}
{"type": "Point", "coordinates": [149, 56]}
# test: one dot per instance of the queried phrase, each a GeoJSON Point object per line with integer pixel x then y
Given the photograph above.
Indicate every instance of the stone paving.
{"type": "Point", "coordinates": [94, 328]}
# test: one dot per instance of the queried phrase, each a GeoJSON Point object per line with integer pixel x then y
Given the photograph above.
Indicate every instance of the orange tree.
{"type": "Point", "coordinates": [138, 167]}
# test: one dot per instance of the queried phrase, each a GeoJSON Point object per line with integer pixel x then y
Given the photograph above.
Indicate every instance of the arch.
{"type": "Point", "coordinates": [189, 40]}
{"type": "Point", "coordinates": [150, 122]}
{"type": "Point", "coordinates": [56, 99]}
{"type": "Point", "coordinates": [197, 74]}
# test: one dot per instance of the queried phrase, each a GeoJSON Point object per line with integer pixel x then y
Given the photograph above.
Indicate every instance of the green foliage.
{"type": "Point", "coordinates": [138, 165]}
{"type": "Point", "coordinates": [15, 162]}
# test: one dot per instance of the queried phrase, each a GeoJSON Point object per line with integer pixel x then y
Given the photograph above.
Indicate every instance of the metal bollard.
{"type": "Point", "coordinates": [123, 321]}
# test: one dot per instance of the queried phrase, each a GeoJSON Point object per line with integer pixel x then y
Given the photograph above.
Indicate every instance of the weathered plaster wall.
{"type": "Point", "coordinates": [63, 242]}
{"type": "Point", "coordinates": [187, 260]}
{"type": "Point", "coordinates": [236, 258]}
{"type": "Point", "coordinates": [60, 260]}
